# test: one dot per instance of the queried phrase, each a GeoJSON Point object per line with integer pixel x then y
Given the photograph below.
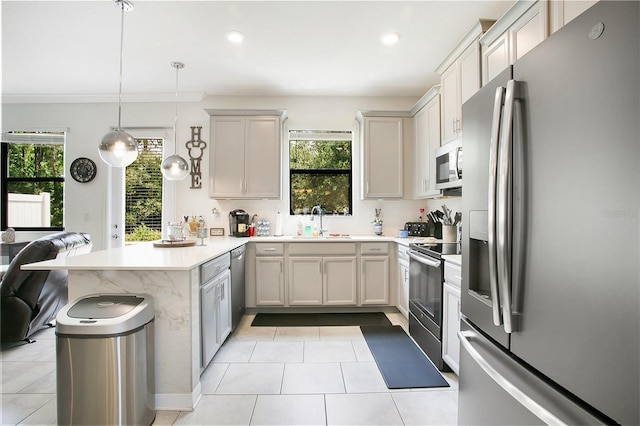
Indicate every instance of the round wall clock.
{"type": "Point", "coordinates": [83, 170]}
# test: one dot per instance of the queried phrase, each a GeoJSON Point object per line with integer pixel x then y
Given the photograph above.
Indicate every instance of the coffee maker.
{"type": "Point", "coordinates": [238, 223]}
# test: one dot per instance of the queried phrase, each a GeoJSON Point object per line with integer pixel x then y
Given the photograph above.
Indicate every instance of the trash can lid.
{"type": "Point", "coordinates": [104, 306]}
{"type": "Point", "coordinates": [105, 314]}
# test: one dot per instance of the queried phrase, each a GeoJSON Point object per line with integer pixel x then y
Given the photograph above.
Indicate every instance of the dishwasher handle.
{"type": "Point", "coordinates": [425, 260]}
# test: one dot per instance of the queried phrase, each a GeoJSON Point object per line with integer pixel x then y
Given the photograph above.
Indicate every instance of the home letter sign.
{"type": "Point", "coordinates": [196, 148]}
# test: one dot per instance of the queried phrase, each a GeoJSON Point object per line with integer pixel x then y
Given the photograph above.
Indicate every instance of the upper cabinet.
{"type": "Point", "coordinates": [382, 161]}
{"type": "Point", "coordinates": [522, 28]}
{"type": "Point", "coordinates": [459, 80]}
{"type": "Point", "coordinates": [245, 155]}
{"type": "Point", "coordinates": [561, 12]}
{"type": "Point", "coordinates": [427, 135]}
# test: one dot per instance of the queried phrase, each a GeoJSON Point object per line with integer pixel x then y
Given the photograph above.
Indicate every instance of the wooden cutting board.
{"type": "Point", "coordinates": [170, 243]}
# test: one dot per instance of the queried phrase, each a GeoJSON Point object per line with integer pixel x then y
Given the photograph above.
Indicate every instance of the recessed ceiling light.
{"type": "Point", "coordinates": [390, 39]}
{"type": "Point", "coordinates": [235, 36]}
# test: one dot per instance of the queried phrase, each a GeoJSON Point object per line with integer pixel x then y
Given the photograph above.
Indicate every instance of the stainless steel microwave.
{"type": "Point", "coordinates": [449, 166]}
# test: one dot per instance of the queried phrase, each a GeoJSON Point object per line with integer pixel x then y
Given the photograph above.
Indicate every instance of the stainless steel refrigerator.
{"type": "Point", "coordinates": [550, 323]}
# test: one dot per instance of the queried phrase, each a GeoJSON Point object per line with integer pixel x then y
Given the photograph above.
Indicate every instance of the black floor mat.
{"type": "Point", "coordinates": [401, 362]}
{"type": "Point", "coordinates": [320, 319]}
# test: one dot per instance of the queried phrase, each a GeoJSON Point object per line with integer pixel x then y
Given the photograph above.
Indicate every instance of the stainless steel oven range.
{"type": "Point", "coordinates": [426, 277]}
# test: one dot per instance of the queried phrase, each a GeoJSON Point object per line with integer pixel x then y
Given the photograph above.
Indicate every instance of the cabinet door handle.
{"type": "Point", "coordinates": [269, 249]}
{"type": "Point", "coordinates": [453, 125]}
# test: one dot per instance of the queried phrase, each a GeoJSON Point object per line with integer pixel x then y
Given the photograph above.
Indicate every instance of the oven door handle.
{"type": "Point", "coordinates": [423, 259]}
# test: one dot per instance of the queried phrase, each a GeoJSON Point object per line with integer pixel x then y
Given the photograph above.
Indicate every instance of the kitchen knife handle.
{"type": "Point", "coordinates": [493, 175]}
{"type": "Point", "coordinates": [504, 206]}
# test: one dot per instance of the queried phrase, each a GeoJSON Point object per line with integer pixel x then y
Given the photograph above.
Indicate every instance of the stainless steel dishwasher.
{"type": "Point", "coordinates": [237, 286]}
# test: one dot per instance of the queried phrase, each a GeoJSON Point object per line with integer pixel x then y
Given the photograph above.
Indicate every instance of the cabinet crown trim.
{"type": "Point", "coordinates": [472, 35]}
{"type": "Point", "coordinates": [425, 99]}
{"type": "Point", "coordinates": [282, 113]}
{"type": "Point", "coordinates": [360, 115]}
{"type": "Point", "coordinates": [506, 21]}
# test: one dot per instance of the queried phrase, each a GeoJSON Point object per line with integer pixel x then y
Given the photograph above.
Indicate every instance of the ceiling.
{"type": "Point", "coordinates": [69, 50]}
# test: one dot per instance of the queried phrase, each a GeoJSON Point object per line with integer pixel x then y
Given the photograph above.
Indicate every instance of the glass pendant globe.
{"type": "Point", "coordinates": [174, 167]}
{"type": "Point", "coordinates": [118, 149]}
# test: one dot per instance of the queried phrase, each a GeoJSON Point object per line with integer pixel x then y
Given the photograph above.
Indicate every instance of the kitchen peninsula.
{"type": "Point", "coordinates": [172, 277]}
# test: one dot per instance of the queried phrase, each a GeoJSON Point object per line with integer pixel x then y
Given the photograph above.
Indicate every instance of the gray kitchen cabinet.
{"type": "Point", "coordinates": [382, 161]}
{"type": "Point", "coordinates": [427, 128]}
{"type": "Point", "coordinates": [215, 306]}
{"type": "Point", "coordinates": [322, 274]}
{"type": "Point", "coordinates": [374, 274]}
{"type": "Point", "coordinates": [523, 27]}
{"type": "Point", "coordinates": [245, 156]}
{"type": "Point", "coordinates": [459, 80]}
{"type": "Point", "coordinates": [305, 281]}
{"type": "Point", "coordinates": [339, 285]}
{"type": "Point", "coordinates": [269, 273]}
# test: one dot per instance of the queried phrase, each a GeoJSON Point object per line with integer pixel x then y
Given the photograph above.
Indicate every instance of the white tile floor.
{"type": "Point", "coordinates": [261, 376]}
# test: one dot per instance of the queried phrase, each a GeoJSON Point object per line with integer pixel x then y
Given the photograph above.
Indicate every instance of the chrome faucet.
{"type": "Point", "coordinates": [320, 213]}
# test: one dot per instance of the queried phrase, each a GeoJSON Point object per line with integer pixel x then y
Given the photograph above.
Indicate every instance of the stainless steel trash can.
{"type": "Point", "coordinates": [105, 360]}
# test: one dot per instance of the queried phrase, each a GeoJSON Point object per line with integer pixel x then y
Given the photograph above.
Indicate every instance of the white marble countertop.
{"type": "Point", "coordinates": [144, 256]}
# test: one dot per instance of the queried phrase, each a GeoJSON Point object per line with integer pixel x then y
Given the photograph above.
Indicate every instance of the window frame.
{"type": "Point", "coordinates": [4, 183]}
{"type": "Point", "coordinates": [321, 172]}
{"type": "Point", "coordinates": [160, 154]}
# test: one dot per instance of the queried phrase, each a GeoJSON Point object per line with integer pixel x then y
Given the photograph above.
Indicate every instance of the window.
{"type": "Point", "coordinates": [32, 180]}
{"type": "Point", "coordinates": [320, 171]}
{"type": "Point", "coordinates": [143, 193]}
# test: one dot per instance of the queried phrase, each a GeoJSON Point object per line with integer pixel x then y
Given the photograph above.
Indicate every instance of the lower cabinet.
{"type": "Point", "coordinates": [339, 281]}
{"type": "Point", "coordinates": [402, 296]}
{"type": "Point", "coordinates": [270, 274]}
{"type": "Point", "coordinates": [316, 281]}
{"type": "Point", "coordinates": [269, 281]}
{"type": "Point", "coordinates": [315, 274]}
{"type": "Point", "coordinates": [374, 274]}
{"type": "Point", "coordinates": [451, 316]}
{"type": "Point", "coordinates": [305, 281]}
{"type": "Point", "coordinates": [215, 311]}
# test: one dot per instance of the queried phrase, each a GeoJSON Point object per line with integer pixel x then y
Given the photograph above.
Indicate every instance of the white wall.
{"type": "Point", "coordinates": [87, 123]}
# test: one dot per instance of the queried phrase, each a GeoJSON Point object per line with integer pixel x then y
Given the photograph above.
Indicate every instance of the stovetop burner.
{"type": "Point", "coordinates": [436, 249]}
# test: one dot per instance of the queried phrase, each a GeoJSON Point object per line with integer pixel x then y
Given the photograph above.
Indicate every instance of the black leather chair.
{"type": "Point", "coordinates": [30, 300]}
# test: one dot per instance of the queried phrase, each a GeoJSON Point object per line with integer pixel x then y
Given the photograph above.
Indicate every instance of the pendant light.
{"type": "Point", "coordinates": [118, 148]}
{"type": "Point", "coordinates": [175, 167]}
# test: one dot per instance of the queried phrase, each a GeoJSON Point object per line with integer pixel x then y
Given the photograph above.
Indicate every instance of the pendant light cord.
{"type": "Point", "coordinates": [175, 120]}
{"type": "Point", "coordinates": [178, 66]}
{"type": "Point", "coordinates": [122, 7]}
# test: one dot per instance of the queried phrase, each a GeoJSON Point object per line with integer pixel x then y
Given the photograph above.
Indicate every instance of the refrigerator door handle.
{"type": "Point", "coordinates": [491, 213]}
{"type": "Point", "coordinates": [504, 207]}
{"type": "Point", "coordinates": [541, 412]}
{"type": "Point", "coordinates": [518, 211]}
